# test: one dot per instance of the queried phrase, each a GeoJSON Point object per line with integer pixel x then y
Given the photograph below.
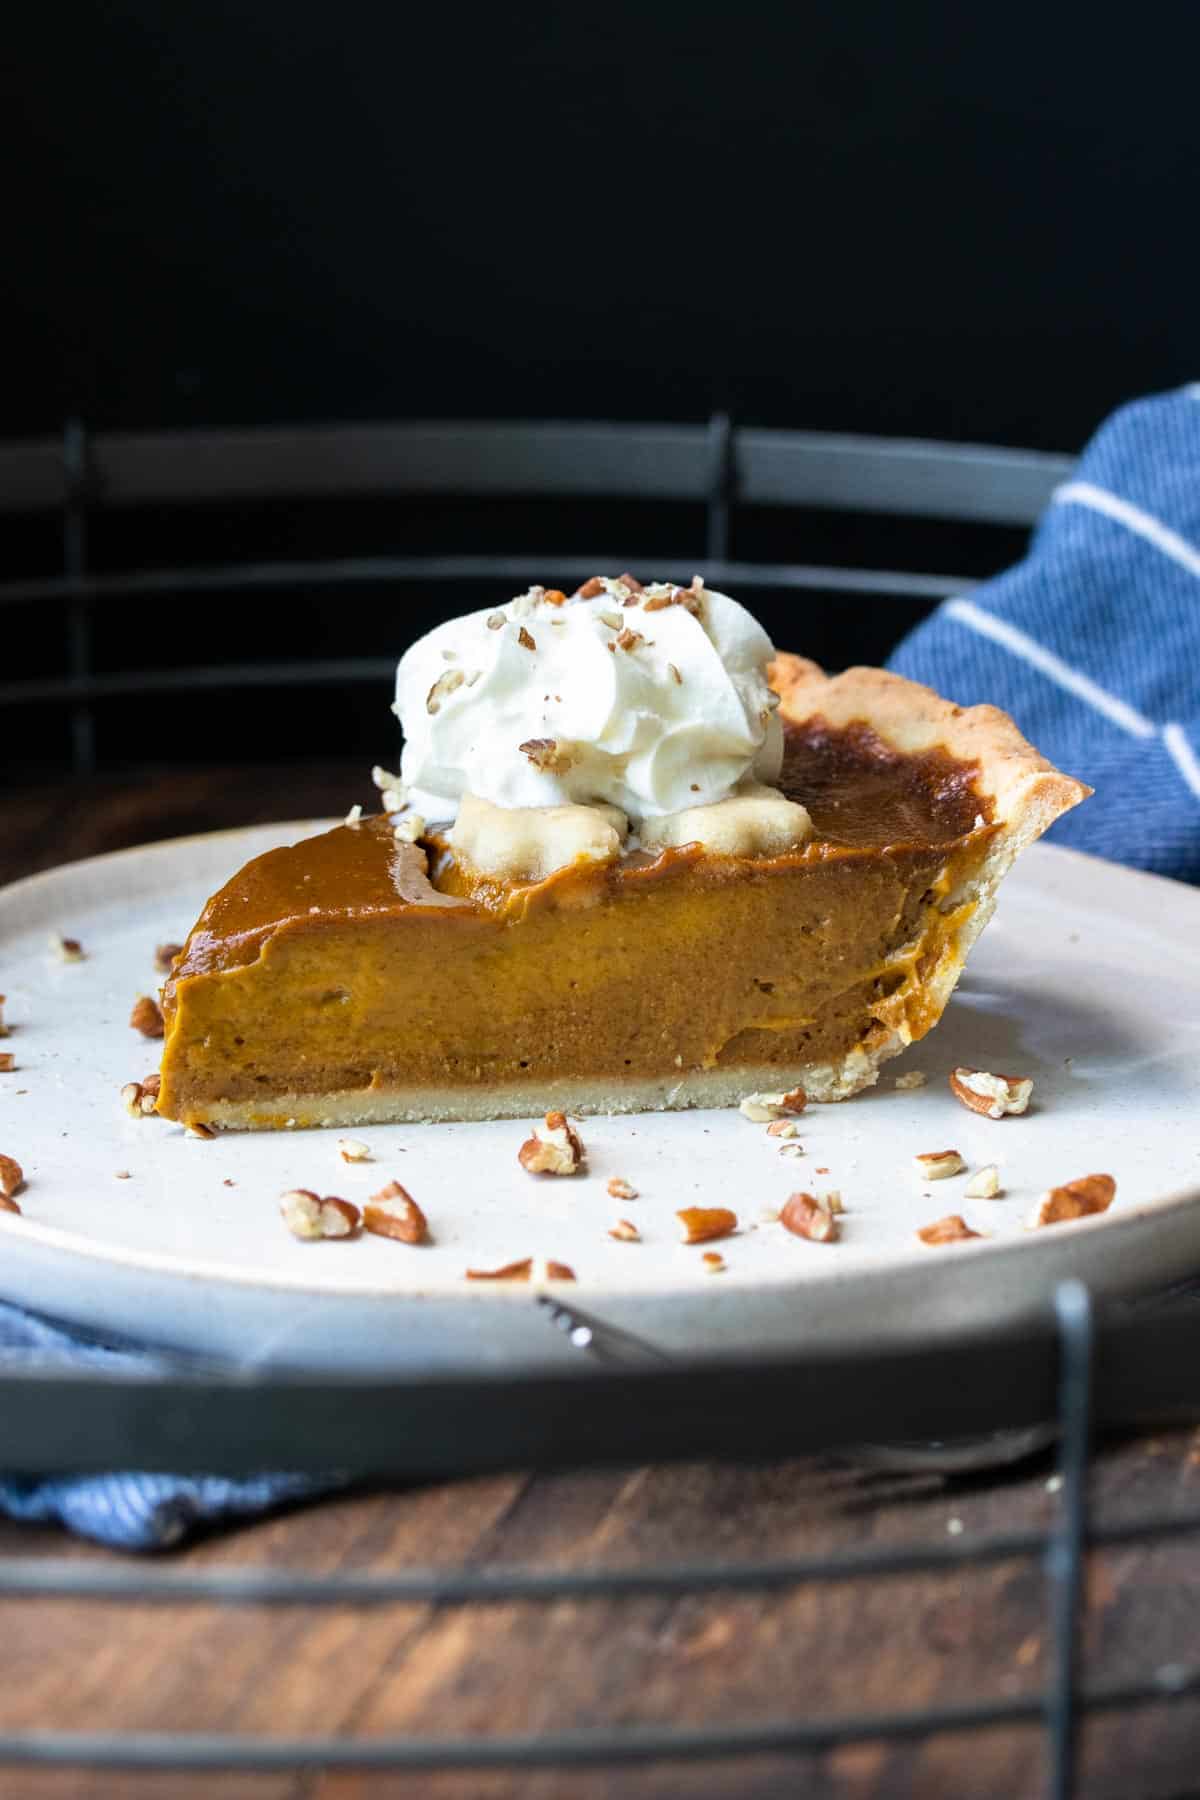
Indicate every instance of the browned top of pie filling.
{"type": "Point", "coordinates": [861, 792]}
{"type": "Point", "coordinates": [866, 801]}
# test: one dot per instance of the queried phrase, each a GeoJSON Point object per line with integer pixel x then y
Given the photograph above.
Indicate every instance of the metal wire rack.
{"type": "Point", "coordinates": [716, 464]}
{"type": "Point", "coordinates": [1063, 1375]}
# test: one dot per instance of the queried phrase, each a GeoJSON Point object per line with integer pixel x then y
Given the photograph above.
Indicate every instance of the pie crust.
{"type": "Point", "coordinates": [336, 983]}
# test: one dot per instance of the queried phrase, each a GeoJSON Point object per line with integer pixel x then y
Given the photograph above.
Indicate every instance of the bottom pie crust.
{"type": "Point", "coordinates": [384, 1105]}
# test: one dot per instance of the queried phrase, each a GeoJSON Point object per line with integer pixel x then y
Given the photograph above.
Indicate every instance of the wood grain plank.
{"type": "Point", "coordinates": [512, 1668]}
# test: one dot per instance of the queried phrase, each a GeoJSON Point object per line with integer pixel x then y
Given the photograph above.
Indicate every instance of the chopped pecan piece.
{"type": "Point", "coordinates": [67, 949]}
{"type": "Point", "coordinates": [4, 1030]}
{"type": "Point", "coordinates": [496, 621]}
{"type": "Point", "coordinates": [626, 1232]}
{"type": "Point", "coordinates": [938, 1165]}
{"type": "Point", "coordinates": [760, 1109]}
{"type": "Point", "coordinates": [353, 1150]}
{"type": "Point", "coordinates": [807, 1217]}
{"type": "Point", "coordinates": [675, 675]}
{"type": "Point", "coordinates": [700, 1224]}
{"type": "Point", "coordinates": [544, 1268]}
{"type": "Point", "coordinates": [164, 957]}
{"type": "Point", "coordinates": [12, 1177]}
{"type": "Point", "coordinates": [554, 597]}
{"type": "Point", "coordinates": [984, 1184]}
{"type": "Point", "coordinates": [201, 1129]}
{"type": "Point", "coordinates": [782, 1128]}
{"type": "Point", "coordinates": [557, 1151]}
{"type": "Point", "coordinates": [146, 1017]}
{"type": "Point", "coordinates": [994, 1096]}
{"type": "Point", "coordinates": [951, 1230]}
{"type": "Point", "coordinates": [547, 755]}
{"type": "Point", "coordinates": [301, 1212]}
{"type": "Point", "coordinates": [339, 1218]}
{"type": "Point", "coordinates": [141, 1097]}
{"type": "Point", "coordinates": [513, 1271]}
{"type": "Point", "coordinates": [689, 597]}
{"type": "Point", "coordinates": [307, 1216]}
{"type": "Point", "coordinates": [620, 1189]}
{"type": "Point", "coordinates": [632, 583]}
{"type": "Point", "coordinates": [629, 640]}
{"type": "Point", "coordinates": [714, 1262]}
{"type": "Point", "coordinates": [1074, 1200]}
{"type": "Point", "coordinates": [8, 1062]}
{"type": "Point", "coordinates": [591, 589]}
{"type": "Point", "coordinates": [443, 687]}
{"type": "Point", "coordinates": [393, 1213]}
{"type": "Point", "coordinates": [525, 640]}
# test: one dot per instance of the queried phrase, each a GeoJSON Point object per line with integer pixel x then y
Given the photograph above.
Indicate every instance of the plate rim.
{"type": "Point", "coordinates": [164, 1263]}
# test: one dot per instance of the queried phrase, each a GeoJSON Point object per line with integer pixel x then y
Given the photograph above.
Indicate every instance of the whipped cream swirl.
{"type": "Point", "coordinates": [649, 699]}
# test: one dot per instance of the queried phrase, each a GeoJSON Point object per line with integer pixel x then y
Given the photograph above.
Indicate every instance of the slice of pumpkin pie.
{"type": "Point", "coordinates": [635, 860]}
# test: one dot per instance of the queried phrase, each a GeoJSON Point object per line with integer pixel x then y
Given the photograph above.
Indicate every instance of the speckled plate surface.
{"type": "Point", "coordinates": [1088, 979]}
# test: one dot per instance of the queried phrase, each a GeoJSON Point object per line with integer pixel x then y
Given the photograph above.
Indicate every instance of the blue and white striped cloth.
{"type": "Point", "coordinates": [1092, 643]}
{"type": "Point", "coordinates": [129, 1511]}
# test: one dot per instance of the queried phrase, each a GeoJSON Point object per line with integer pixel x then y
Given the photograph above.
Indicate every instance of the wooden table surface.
{"type": "Point", "coordinates": [872, 1645]}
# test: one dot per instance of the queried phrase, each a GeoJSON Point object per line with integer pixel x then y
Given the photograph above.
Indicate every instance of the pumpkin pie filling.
{"type": "Point", "coordinates": [355, 978]}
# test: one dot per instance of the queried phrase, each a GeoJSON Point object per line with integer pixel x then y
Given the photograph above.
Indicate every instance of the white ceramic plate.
{"type": "Point", "coordinates": [1088, 980]}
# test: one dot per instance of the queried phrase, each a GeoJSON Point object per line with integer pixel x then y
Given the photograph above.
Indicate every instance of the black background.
{"type": "Point", "coordinates": [929, 219]}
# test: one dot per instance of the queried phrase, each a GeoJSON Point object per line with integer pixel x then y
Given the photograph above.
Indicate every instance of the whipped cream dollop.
{"type": "Point", "coordinates": [649, 699]}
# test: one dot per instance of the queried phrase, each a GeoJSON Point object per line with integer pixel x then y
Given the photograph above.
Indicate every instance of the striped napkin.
{"type": "Point", "coordinates": [1092, 643]}
{"type": "Point", "coordinates": [129, 1511]}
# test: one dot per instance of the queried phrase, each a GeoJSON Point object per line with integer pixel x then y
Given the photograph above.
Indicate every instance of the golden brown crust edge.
{"type": "Point", "coordinates": [1028, 793]}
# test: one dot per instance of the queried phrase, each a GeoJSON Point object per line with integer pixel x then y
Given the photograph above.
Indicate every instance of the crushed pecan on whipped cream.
{"type": "Point", "coordinates": [625, 715]}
